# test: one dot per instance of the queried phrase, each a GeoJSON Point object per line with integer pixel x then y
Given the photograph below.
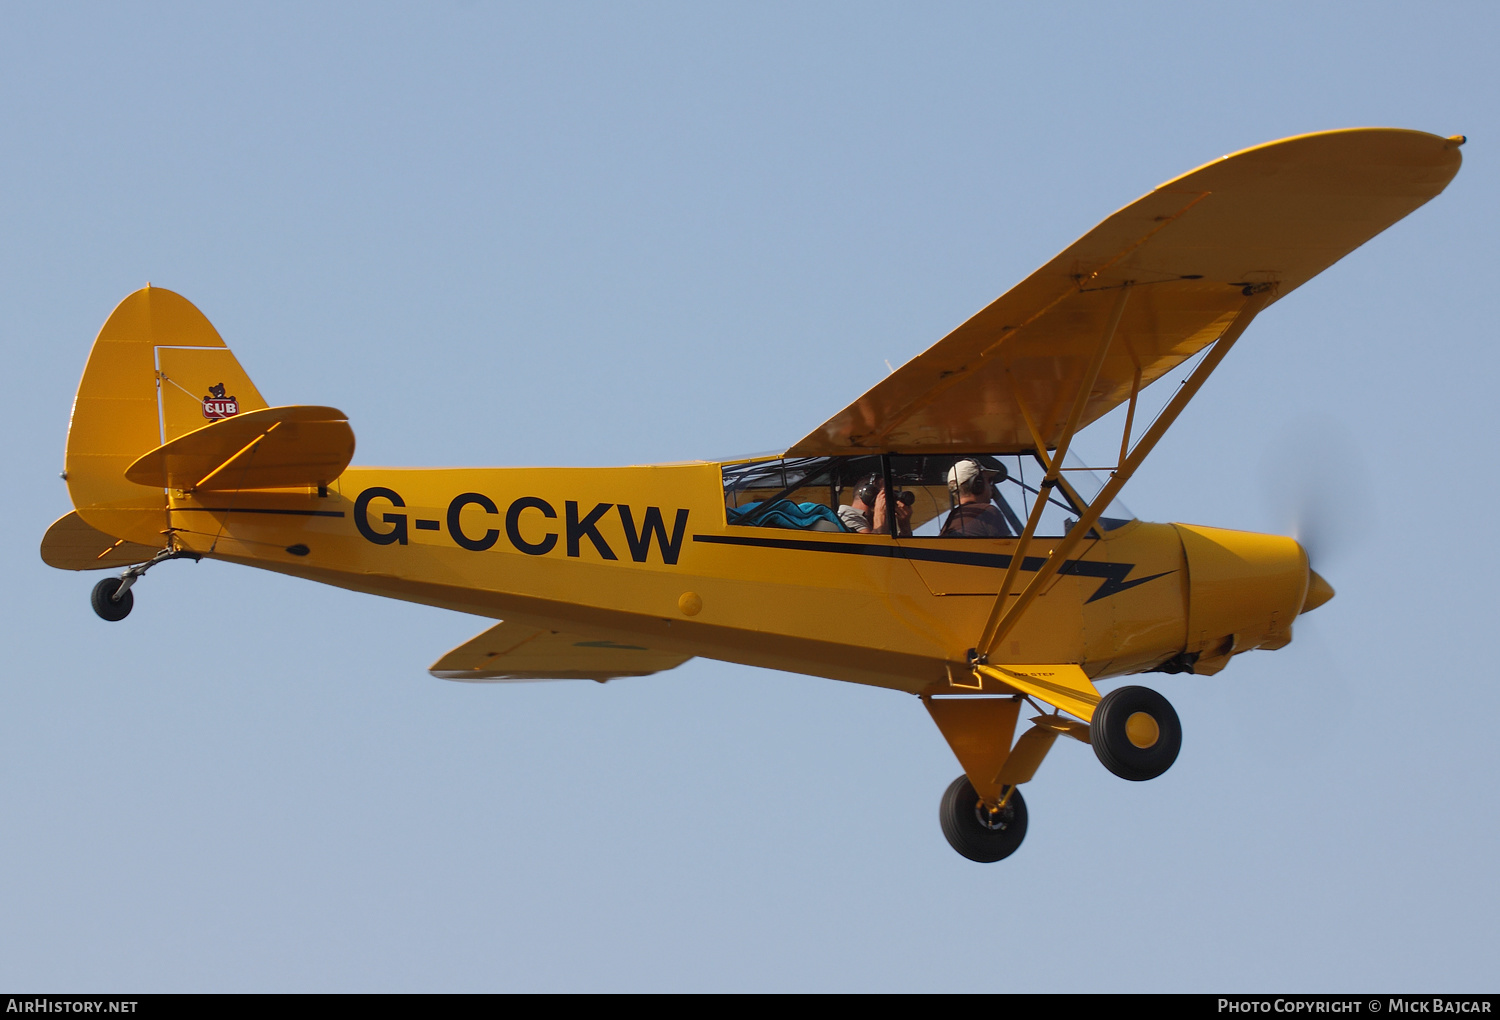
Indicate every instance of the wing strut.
{"type": "Point", "coordinates": [1054, 466]}
{"type": "Point", "coordinates": [1001, 620]}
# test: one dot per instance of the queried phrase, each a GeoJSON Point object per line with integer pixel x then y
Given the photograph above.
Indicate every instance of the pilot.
{"type": "Point", "coordinates": [971, 487]}
{"type": "Point", "coordinates": [867, 514]}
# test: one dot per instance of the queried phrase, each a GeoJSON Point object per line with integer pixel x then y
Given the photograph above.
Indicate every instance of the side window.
{"type": "Point", "coordinates": [977, 495]}
{"type": "Point", "coordinates": [801, 493]}
{"type": "Point", "coordinates": [951, 501]}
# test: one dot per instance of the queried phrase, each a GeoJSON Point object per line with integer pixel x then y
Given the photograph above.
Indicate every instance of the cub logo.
{"type": "Point", "coordinates": [216, 405]}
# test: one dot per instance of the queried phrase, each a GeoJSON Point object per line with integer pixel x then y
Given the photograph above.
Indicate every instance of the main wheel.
{"type": "Point", "coordinates": [974, 830]}
{"type": "Point", "coordinates": [106, 605]}
{"type": "Point", "coordinates": [1135, 733]}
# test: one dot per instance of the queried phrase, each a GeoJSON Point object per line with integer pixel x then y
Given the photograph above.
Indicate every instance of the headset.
{"type": "Point", "coordinates": [870, 486]}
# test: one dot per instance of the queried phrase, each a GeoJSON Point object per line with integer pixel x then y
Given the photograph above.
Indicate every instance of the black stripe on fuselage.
{"type": "Point", "coordinates": [1112, 574]}
{"type": "Point", "coordinates": [257, 510]}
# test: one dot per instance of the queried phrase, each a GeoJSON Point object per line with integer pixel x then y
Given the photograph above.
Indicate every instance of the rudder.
{"type": "Point", "coordinates": [141, 388]}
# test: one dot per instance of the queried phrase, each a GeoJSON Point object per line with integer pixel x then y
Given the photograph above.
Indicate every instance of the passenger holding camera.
{"type": "Point", "coordinates": [868, 514]}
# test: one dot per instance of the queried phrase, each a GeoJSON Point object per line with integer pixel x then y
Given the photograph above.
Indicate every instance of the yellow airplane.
{"type": "Point", "coordinates": [932, 537]}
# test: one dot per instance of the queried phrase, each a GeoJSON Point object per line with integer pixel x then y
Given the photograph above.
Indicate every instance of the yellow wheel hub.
{"type": "Point", "coordinates": [1141, 730]}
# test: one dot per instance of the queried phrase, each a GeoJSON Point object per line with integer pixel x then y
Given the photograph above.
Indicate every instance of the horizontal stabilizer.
{"type": "Point", "coordinates": [73, 544]}
{"type": "Point", "coordinates": [273, 448]}
{"type": "Point", "coordinates": [1065, 686]}
{"type": "Point", "coordinates": [510, 652]}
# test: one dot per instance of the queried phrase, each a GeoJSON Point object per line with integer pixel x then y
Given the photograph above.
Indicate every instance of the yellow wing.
{"type": "Point", "coordinates": [510, 651]}
{"type": "Point", "coordinates": [1277, 214]}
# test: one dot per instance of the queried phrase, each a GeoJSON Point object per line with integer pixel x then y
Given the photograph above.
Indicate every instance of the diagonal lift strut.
{"type": "Point", "coordinates": [1002, 620]}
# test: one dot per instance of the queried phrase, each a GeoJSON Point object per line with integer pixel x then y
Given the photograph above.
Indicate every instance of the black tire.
{"type": "Point", "coordinates": [1110, 733]}
{"type": "Point", "coordinates": [104, 603]}
{"type": "Point", "coordinates": [976, 832]}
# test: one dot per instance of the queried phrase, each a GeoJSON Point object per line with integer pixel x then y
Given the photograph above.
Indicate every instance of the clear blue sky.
{"type": "Point", "coordinates": [608, 234]}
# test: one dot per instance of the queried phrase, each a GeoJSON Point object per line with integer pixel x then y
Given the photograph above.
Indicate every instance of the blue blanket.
{"type": "Point", "coordinates": [786, 514]}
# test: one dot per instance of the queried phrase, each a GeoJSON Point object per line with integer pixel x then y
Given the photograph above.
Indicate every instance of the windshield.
{"type": "Point", "coordinates": [1087, 482]}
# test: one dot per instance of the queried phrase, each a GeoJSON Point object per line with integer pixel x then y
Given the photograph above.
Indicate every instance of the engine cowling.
{"type": "Point", "coordinates": [1244, 591]}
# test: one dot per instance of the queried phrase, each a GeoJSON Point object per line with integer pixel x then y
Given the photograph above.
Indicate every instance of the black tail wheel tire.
{"type": "Point", "coordinates": [974, 830]}
{"type": "Point", "coordinates": [104, 602]}
{"type": "Point", "coordinates": [1135, 733]}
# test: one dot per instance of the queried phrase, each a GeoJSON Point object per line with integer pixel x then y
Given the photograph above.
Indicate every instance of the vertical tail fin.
{"type": "Point", "coordinates": [158, 369]}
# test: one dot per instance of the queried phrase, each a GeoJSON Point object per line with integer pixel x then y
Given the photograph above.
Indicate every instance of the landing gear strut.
{"type": "Point", "coordinates": [976, 830]}
{"type": "Point", "coordinates": [111, 597]}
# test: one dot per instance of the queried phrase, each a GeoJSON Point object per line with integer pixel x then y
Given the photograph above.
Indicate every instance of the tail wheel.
{"type": "Point", "coordinates": [106, 605]}
{"type": "Point", "coordinates": [1135, 733]}
{"type": "Point", "coordinates": [977, 832]}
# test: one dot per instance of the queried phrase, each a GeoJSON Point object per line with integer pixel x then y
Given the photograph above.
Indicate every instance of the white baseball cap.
{"type": "Point", "coordinates": [965, 471]}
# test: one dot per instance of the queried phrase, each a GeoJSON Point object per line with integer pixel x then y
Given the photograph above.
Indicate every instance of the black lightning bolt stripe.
{"type": "Point", "coordinates": [1112, 574]}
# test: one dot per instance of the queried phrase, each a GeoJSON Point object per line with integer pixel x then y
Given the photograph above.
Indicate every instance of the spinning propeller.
{"type": "Point", "coordinates": [1319, 480]}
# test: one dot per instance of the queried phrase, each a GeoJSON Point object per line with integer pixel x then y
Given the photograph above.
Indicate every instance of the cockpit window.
{"type": "Point", "coordinates": [804, 493]}
{"type": "Point", "coordinates": [823, 494]}
{"type": "Point", "coordinates": [1001, 507]}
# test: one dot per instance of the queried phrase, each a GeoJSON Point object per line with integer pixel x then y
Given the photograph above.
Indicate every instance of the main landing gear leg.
{"type": "Point", "coordinates": [983, 813]}
{"type": "Point", "coordinates": [112, 599]}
